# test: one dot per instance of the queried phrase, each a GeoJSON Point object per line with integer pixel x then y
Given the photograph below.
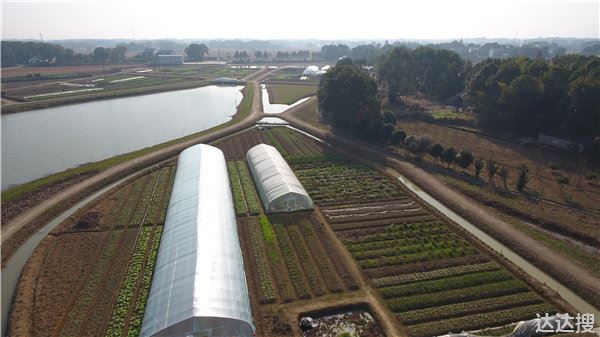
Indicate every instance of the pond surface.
{"type": "Point", "coordinates": [276, 108]}
{"type": "Point", "coordinates": [42, 142]}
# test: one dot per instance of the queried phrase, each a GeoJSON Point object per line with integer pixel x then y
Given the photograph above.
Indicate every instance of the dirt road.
{"type": "Point", "coordinates": [30, 215]}
{"type": "Point", "coordinates": [557, 265]}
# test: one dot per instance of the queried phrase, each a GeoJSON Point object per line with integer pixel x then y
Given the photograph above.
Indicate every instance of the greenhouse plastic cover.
{"type": "Point", "coordinates": [277, 184]}
{"type": "Point", "coordinates": [199, 286]}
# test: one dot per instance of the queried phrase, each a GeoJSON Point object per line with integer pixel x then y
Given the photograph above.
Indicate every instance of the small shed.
{"type": "Point", "coordinates": [279, 189]}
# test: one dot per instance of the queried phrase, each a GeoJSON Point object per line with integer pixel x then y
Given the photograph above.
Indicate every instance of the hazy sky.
{"type": "Point", "coordinates": [320, 19]}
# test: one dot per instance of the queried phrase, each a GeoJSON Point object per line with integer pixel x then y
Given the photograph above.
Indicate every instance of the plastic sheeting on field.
{"type": "Point", "coordinates": [199, 286]}
{"type": "Point", "coordinates": [279, 189]}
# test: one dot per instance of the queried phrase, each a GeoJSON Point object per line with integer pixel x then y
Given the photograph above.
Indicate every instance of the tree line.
{"type": "Point", "coordinates": [40, 53]}
{"type": "Point", "coordinates": [526, 96]}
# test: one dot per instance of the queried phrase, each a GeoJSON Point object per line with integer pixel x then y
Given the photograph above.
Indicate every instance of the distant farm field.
{"type": "Point", "coordinates": [93, 69]}
{"type": "Point", "coordinates": [289, 93]}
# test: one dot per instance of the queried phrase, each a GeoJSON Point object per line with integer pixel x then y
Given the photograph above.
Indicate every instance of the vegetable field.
{"type": "Point", "coordinates": [108, 295]}
{"type": "Point", "coordinates": [432, 279]}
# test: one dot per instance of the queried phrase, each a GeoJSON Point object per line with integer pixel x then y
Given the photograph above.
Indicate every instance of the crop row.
{"type": "Point", "coordinates": [457, 295]}
{"type": "Point", "coordinates": [396, 214]}
{"type": "Point", "coordinates": [495, 318]}
{"type": "Point", "coordinates": [422, 218]}
{"type": "Point", "coordinates": [314, 245]}
{"type": "Point", "coordinates": [129, 205]}
{"type": "Point", "coordinates": [292, 144]}
{"type": "Point", "coordinates": [445, 284]}
{"type": "Point", "coordinates": [135, 319]}
{"type": "Point", "coordinates": [308, 265]}
{"type": "Point", "coordinates": [346, 181]}
{"type": "Point", "coordinates": [398, 231]}
{"type": "Point", "coordinates": [285, 290]}
{"type": "Point", "coordinates": [77, 313]}
{"type": "Point", "coordinates": [261, 263]}
{"type": "Point", "coordinates": [417, 257]}
{"type": "Point", "coordinates": [238, 195]}
{"type": "Point", "coordinates": [434, 274]}
{"type": "Point", "coordinates": [393, 242]}
{"type": "Point", "coordinates": [248, 187]}
{"type": "Point", "coordinates": [166, 197]}
{"type": "Point", "coordinates": [161, 197]}
{"type": "Point", "coordinates": [121, 307]}
{"type": "Point", "coordinates": [340, 267]}
{"type": "Point", "coordinates": [144, 201]}
{"type": "Point", "coordinates": [419, 247]}
{"type": "Point", "coordinates": [294, 270]}
{"type": "Point", "coordinates": [275, 143]}
{"type": "Point", "coordinates": [469, 308]}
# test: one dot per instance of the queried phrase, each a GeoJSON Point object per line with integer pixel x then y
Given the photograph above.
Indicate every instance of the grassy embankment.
{"type": "Point", "coordinates": [289, 93]}
{"type": "Point", "coordinates": [16, 192]}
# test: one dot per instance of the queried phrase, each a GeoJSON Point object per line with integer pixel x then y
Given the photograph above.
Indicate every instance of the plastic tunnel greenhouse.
{"type": "Point", "coordinates": [277, 184]}
{"type": "Point", "coordinates": [199, 286]}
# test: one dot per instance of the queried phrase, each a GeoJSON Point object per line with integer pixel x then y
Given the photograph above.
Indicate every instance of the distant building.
{"type": "Point", "coordinates": [311, 70]}
{"type": "Point", "coordinates": [164, 60]}
{"type": "Point", "coordinates": [165, 52]}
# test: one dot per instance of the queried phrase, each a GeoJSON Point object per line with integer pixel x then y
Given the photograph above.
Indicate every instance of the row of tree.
{"type": "Point", "coordinates": [436, 72]}
{"type": "Point", "coordinates": [39, 53]}
{"type": "Point", "coordinates": [527, 96]}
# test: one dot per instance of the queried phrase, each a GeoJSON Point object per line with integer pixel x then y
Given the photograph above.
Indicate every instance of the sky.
{"type": "Point", "coordinates": [312, 19]}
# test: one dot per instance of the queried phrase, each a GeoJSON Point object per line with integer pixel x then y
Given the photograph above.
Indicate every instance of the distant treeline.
{"type": "Point", "coordinates": [518, 94]}
{"type": "Point", "coordinates": [40, 53]}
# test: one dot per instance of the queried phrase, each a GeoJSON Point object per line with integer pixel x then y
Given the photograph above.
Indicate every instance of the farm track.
{"type": "Point", "coordinates": [559, 266]}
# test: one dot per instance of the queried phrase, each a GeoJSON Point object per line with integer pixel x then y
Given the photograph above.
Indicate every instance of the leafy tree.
{"type": "Point", "coordinates": [388, 117]}
{"type": "Point", "coordinates": [258, 55]}
{"type": "Point", "coordinates": [374, 129]}
{"type": "Point", "coordinates": [197, 51]}
{"type": "Point", "coordinates": [397, 137]}
{"type": "Point", "coordinates": [478, 164]}
{"type": "Point", "coordinates": [503, 173]}
{"type": "Point", "coordinates": [523, 178]}
{"type": "Point", "coordinates": [395, 70]}
{"type": "Point", "coordinates": [101, 55]}
{"type": "Point", "coordinates": [464, 159]}
{"type": "Point", "coordinates": [449, 156]}
{"type": "Point", "coordinates": [562, 181]}
{"type": "Point", "coordinates": [348, 98]}
{"type": "Point", "coordinates": [385, 133]}
{"type": "Point", "coordinates": [436, 151]}
{"type": "Point", "coordinates": [492, 168]}
{"type": "Point", "coordinates": [332, 52]}
{"type": "Point", "coordinates": [418, 145]}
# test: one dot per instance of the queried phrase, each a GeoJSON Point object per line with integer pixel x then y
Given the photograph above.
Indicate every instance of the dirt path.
{"type": "Point", "coordinates": [524, 245]}
{"type": "Point", "coordinates": [20, 221]}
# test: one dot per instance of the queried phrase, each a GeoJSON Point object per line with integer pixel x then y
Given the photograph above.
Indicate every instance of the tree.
{"type": "Point", "coordinates": [503, 173]}
{"type": "Point", "coordinates": [436, 151]}
{"type": "Point", "coordinates": [397, 137]}
{"type": "Point", "coordinates": [464, 159]}
{"type": "Point", "coordinates": [348, 98]}
{"type": "Point", "coordinates": [332, 52]}
{"type": "Point", "coordinates": [492, 168]}
{"type": "Point", "coordinates": [418, 145]}
{"type": "Point", "coordinates": [523, 178]}
{"type": "Point", "coordinates": [197, 51]}
{"type": "Point", "coordinates": [258, 55]}
{"type": "Point", "coordinates": [388, 117]}
{"type": "Point", "coordinates": [101, 55]}
{"type": "Point", "coordinates": [385, 133]}
{"type": "Point", "coordinates": [478, 164]}
{"type": "Point", "coordinates": [374, 129]}
{"type": "Point", "coordinates": [562, 181]}
{"type": "Point", "coordinates": [449, 156]}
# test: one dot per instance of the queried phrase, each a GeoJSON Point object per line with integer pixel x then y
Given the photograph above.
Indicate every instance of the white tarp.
{"type": "Point", "coordinates": [199, 286]}
{"type": "Point", "coordinates": [277, 184]}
